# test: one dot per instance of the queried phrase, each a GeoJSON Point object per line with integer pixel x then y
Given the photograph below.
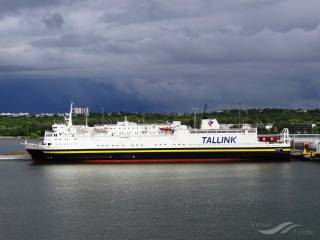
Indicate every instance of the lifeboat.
{"type": "Point", "coordinates": [166, 129]}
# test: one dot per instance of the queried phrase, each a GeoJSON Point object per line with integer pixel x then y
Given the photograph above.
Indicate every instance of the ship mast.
{"type": "Point", "coordinates": [70, 115]}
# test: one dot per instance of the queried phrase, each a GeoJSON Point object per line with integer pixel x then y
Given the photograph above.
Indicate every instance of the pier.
{"type": "Point", "coordinates": [305, 146]}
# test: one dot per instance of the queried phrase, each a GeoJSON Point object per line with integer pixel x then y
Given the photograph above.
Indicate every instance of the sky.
{"type": "Point", "coordinates": [157, 55]}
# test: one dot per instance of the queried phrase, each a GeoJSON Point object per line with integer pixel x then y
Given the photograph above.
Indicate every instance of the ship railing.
{"type": "Point", "coordinates": [283, 137]}
{"type": "Point", "coordinates": [294, 136]}
{"type": "Point", "coordinates": [223, 131]}
{"type": "Point", "coordinates": [299, 136]}
{"type": "Point", "coordinates": [238, 126]}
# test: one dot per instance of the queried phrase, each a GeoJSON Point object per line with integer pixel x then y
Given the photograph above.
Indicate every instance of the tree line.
{"type": "Point", "coordinates": [298, 121]}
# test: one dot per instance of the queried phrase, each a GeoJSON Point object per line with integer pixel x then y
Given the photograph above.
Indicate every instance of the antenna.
{"type": "Point", "coordinates": [102, 115]}
{"type": "Point", "coordinates": [195, 109]}
{"type": "Point", "coordinates": [86, 113]}
{"type": "Point", "coordinates": [239, 112]}
{"type": "Point", "coordinates": [204, 111]}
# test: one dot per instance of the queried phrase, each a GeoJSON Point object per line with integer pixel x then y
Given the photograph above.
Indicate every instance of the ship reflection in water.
{"type": "Point", "coordinates": [162, 201]}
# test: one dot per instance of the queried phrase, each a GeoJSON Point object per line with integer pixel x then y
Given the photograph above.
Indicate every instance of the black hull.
{"type": "Point", "coordinates": [159, 155]}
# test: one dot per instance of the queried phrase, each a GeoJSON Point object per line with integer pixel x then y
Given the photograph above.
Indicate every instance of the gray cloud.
{"type": "Point", "coordinates": [53, 21]}
{"type": "Point", "coordinates": [173, 55]}
{"type": "Point", "coordinates": [14, 6]}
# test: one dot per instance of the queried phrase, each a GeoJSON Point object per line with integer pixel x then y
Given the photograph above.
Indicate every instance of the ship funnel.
{"type": "Point", "coordinates": [207, 124]}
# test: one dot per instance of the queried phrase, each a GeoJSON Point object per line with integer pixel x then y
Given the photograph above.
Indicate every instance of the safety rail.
{"type": "Point", "coordinates": [293, 136]}
{"type": "Point", "coordinates": [223, 131]}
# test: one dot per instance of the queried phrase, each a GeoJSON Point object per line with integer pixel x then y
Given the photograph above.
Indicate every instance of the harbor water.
{"type": "Point", "coordinates": [10, 145]}
{"type": "Point", "coordinates": [158, 201]}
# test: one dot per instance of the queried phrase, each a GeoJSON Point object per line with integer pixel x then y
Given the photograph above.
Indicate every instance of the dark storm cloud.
{"type": "Point", "coordinates": [55, 95]}
{"type": "Point", "coordinates": [12, 6]}
{"type": "Point", "coordinates": [53, 21]}
{"type": "Point", "coordinates": [167, 55]}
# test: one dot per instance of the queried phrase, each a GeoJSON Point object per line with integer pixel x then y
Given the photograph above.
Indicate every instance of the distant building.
{"type": "Point", "coordinates": [15, 114]}
{"type": "Point", "coordinates": [180, 114]}
{"type": "Point", "coordinates": [269, 126]}
{"type": "Point", "coordinates": [44, 115]}
{"type": "Point", "coordinates": [80, 110]}
{"type": "Point", "coordinates": [301, 111]}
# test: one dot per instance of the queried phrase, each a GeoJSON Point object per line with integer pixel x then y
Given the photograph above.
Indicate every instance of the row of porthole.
{"type": "Point", "coordinates": [132, 145]}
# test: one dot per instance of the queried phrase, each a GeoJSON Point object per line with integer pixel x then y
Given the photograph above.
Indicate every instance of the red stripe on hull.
{"type": "Point", "coordinates": [162, 160]}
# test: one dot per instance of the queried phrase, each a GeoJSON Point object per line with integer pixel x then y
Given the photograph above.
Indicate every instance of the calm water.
{"type": "Point", "coordinates": [8, 145]}
{"type": "Point", "coordinates": [164, 201]}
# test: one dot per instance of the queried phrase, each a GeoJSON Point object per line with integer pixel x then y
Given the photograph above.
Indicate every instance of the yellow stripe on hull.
{"type": "Point", "coordinates": [166, 150]}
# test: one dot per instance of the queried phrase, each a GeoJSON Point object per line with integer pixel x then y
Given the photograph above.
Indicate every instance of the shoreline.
{"type": "Point", "coordinates": [4, 157]}
{"type": "Point", "coordinates": [8, 137]}
{"type": "Point", "coordinates": [20, 137]}
{"type": "Point", "coordinates": [13, 137]}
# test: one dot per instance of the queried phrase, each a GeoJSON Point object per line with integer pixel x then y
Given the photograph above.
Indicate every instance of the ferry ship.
{"type": "Point", "coordinates": [130, 142]}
